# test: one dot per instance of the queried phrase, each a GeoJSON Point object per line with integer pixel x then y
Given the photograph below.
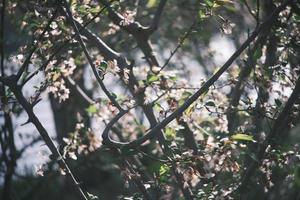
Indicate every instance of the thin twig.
{"type": "Point", "coordinates": [79, 90]}
{"type": "Point", "coordinates": [250, 10]}
{"type": "Point", "coordinates": [94, 69]}
{"type": "Point", "coordinates": [35, 46]}
{"type": "Point", "coordinates": [61, 47]}
{"type": "Point", "coordinates": [180, 43]}
{"type": "Point", "coordinates": [152, 157]}
{"type": "Point", "coordinates": [139, 32]}
{"type": "Point", "coordinates": [257, 11]}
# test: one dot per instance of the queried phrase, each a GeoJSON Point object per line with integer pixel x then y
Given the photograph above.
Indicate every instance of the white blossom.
{"type": "Point", "coordinates": [113, 66]}
{"type": "Point", "coordinates": [68, 67]}
{"type": "Point", "coordinates": [126, 75]}
{"type": "Point", "coordinates": [72, 155]}
{"type": "Point", "coordinates": [128, 18]}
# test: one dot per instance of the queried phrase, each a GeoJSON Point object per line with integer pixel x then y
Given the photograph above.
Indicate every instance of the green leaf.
{"type": "Point", "coordinates": [103, 65]}
{"type": "Point", "coordinates": [243, 137]}
{"type": "Point", "coordinates": [223, 2]}
{"type": "Point", "coordinates": [151, 3]}
{"type": "Point", "coordinates": [91, 109]}
{"type": "Point", "coordinates": [94, 10]}
{"type": "Point", "coordinates": [202, 14]}
{"type": "Point", "coordinates": [164, 169]}
{"type": "Point", "coordinates": [278, 102]}
{"type": "Point", "coordinates": [210, 103]}
{"type": "Point", "coordinates": [209, 3]}
{"type": "Point", "coordinates": [184, 97]}
{"type": "Point", "coordinates": [186, 94]}
{"type": "Point", "coordinates": [114, 95]}
{"type": "Point", "coordinates": [128, 151]}
{"type": "Point", "coordinates": [173, 78]}
{"type": "Point", "coordinates": [253, 156]}
{"type": "Point", "coordinates": [158, 107]}
{"type": "Point", "coordinates": [170, 133]}
{"type": "Point", "coordinates": [190, 109]}
{"type": "Point", "coordinates": [230, 8]}
{"type": "Point", "coordinates": [257, 54]}
{"type": "Point", "coordinates": [297, 176]}
{"type": "Point", "coordinates": [152, 78]}
{"type": "Point", "coordinates": [297, 17]}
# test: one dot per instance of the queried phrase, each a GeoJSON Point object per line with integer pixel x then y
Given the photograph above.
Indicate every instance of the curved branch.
{"type": "Point", "coordinates": [105, 135]}
{"type": "Point", "coordinates": [210, 81]}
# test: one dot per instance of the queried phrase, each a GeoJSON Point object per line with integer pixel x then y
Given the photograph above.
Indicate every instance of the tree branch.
{"type": "Point", "coordinates": [157, 16]}
{"type": "Point", "coordinates": [209, 82]}
{"type": "Point", "coordinates": [278, 127]}
{"type": "Point", "coordinates": [238, 89]}
{"type": "Point", "coordinates": [35, 46]}
{"type": "Point", "coordinates": [80, 91]}
{"type": "Point", "coordinates": [250, 10]}
{"type": "Point", "coordinates": [179, 45]}
{"type": "Point", "coordinates": [57, 50]}
{"type": "Point", "coordinates": [11, 82]}
{"type": "Point", "coordinates": [139, 32]}
{"type": "Point", "coordinates": [83, 46]}
{"type": "Point", "coordinates": [117, 18]}
{"type": "Point", "coordinates": [8, 146]}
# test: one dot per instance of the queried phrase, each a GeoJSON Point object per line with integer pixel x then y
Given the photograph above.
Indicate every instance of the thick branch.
{"type": "Point", "coordinates": [157, 16]}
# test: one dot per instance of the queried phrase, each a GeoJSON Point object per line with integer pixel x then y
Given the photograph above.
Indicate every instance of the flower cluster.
{"type": "Point", "coordinates": [82, 140]}
{"type": "Point", "coordinates": [112, 67]}
{"type": "Point", "coordinates": [112, 29]}
{"type": "Point", "coordinates": [128, 18]}
{"type": "Point", "coordinates": [55, 75]}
